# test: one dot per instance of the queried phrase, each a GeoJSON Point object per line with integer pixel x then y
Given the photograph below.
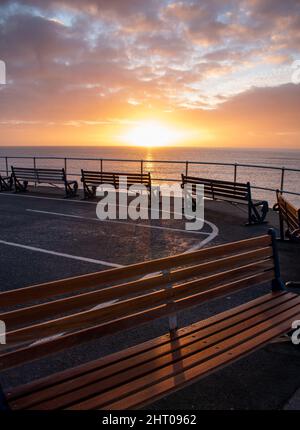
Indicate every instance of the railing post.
{"type": "Point", "coordinates": [6, 165]}
{"type": "Point", "coordinates": [235, 172]}
{"type": "Point", "coordinates": [282, 179]}
{"type": "Point", "coordinates": [186, 168]}
{"type": "Point", "coordinates": [34, 165]}
{"type": "Point", "coordinates": [101, 165]}
{"type": "Point", "coordinates": [65, 164]}
{"type": "Point", "coordinates": [142, 167]}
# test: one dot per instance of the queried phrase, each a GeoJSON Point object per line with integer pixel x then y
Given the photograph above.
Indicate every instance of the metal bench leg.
{"type": "Point", "coordinates": [4, 406]}
{"type": "Point", "coordinates": [71, 188]}
{"type": "Point", "coordinates": [254, 217]}
{"type": "Point", "coordinates": [19, 187]}
{"type": "Point", "coordinates": [277, 283]}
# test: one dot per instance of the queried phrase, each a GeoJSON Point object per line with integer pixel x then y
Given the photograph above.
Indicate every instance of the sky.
{"type": "Point", "coordinates": [150, 72]}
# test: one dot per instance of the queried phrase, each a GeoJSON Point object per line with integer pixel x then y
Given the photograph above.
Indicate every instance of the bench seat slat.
{"type": "Point", "coordinates": [266, 301]}
{"type": "Point", "coordinates": [188, 376]}
{"type": "Point", "coordinates": [190, 345]}
{"type": "Point", "coordinates": [188, 368]}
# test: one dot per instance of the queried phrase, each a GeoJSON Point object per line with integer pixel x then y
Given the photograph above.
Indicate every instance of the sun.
{"type": "Point", "coordinates": [150, 134]}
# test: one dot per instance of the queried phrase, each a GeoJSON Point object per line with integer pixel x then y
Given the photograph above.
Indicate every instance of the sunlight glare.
{"type": "Point", "coordinates": [151, 134]}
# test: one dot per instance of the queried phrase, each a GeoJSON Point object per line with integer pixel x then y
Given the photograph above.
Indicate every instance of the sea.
{"type": "Point", "coordinates": [128, 159]}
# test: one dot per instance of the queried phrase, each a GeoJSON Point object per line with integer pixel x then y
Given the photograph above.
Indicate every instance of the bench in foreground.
{"type": "Point", "coordinates": [138, 294]}
{"type": "Point", "coordinates": [92, 179]}
{"type": "Point", "coordinates": [235, 192]}
{"type": "Point", "coordinates": [23, 175]}
{"type": "Point", "coordinates": [289, 215]}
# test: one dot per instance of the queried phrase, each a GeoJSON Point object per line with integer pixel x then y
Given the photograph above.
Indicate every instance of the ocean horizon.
{"type": "Point", "coordinates": [267, 178]}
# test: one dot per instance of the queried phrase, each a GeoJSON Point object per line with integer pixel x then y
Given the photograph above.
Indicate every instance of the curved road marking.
{"type": "Point", "coordinates": [60, 254]}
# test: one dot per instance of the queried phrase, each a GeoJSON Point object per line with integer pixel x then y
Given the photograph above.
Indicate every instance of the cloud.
{"type": "Point", "coordinates": [96, 59]}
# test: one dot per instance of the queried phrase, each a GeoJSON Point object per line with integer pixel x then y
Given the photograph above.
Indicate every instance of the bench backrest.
{"type": "Point", "coordinates": [32, 174]}
{"type": "Point", "coordinates": [90, 306]}
{"type": "Point", "coordinates": [220, 189]}
{"type": "Point", "coordinates": [288, 212]}
{"type": "Point", "coordinates": [96, 178]}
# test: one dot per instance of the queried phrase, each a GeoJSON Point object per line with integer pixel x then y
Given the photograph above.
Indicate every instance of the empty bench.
{"type": "Point", "coordinates": [235, 192]}
{"type": "Point", "coordinates": [92, 179]}
{"type": "Point", "coordinates": [289, 215]}
{"type": "Point", "coordinates": [6, 183]}
{"type": "Point", "coordinates": [23, 175]}
{"type": "Point", "coordinates": [136, 295]}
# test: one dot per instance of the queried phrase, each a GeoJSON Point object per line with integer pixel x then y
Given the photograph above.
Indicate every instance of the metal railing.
{"type": "Point", "coordinates": [186, 165]}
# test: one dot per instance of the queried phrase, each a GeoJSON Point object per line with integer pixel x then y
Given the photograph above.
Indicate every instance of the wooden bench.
{"type": "Point", "coordinates": [289, 215]}
{"type": "Point", "coordinates": [92, 179]}
{"type": "Point", "coordinates": [135, 295]}
{"type": "Point", "coordinates": [23, 175]}
{"type": "Point", "coordinates": [6, 183]}
{"type": "Point", "coordinates": [235, 192]}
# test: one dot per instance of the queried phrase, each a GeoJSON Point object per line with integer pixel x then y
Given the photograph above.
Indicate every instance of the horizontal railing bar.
{"type": "Point", "coordinates": [144, 162]}
{"type": "Point", "coordinates": [216, 163]}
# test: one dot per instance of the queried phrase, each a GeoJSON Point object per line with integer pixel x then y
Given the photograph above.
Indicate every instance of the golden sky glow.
{"type": "Point", "coordinates": [150, 73]}
{"type": "Point", "coordinates": [154, 133]}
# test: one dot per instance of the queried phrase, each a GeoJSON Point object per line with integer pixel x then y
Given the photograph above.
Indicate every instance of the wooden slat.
{"type": "Point", "coordinates": [135, 304]}
{"type": "Point", "coordinates": [32, 352]}
{"type": "Point", "coordinates": [190, 367]}
{"type": "Point", "coordinates": [250, 308]}
{"type": "Point", "coordinates": [216, 181]}
{"type": "Point", "coordinates": [55, 288]}
{"type": "Point", "coordinates": [222, 188]}
{"type": "Point", "coordinates": [286, 205]}
{"type": "Point", "coordinates": [219, 195]}
{"type": "Point", "coordinates": [34, 169]}
{"type": "Point", "coordinates": [46, 310]}
{"type": "Point", "coordinates": [190, 376]}
{"type": "Point", "coordinates": [39, 174]}
{"type": "Point", "coordinates": [202, 284]}
{"type": "Point", "coordinates": [104, 376]}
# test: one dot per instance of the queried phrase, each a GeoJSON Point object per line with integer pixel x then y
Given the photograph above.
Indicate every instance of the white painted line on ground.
{"type": "Point", "coordinates": [119, 222]}
{"type": "Point", "coordinates": [27, 196]}
{"type": "Point", "coordinates": [210, 236]}
{"type": "Point", "coordinates": [60, 254]}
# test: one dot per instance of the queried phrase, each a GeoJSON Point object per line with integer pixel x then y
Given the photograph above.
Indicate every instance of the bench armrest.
{"type": "Point", "coordinates": [292, 284]}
